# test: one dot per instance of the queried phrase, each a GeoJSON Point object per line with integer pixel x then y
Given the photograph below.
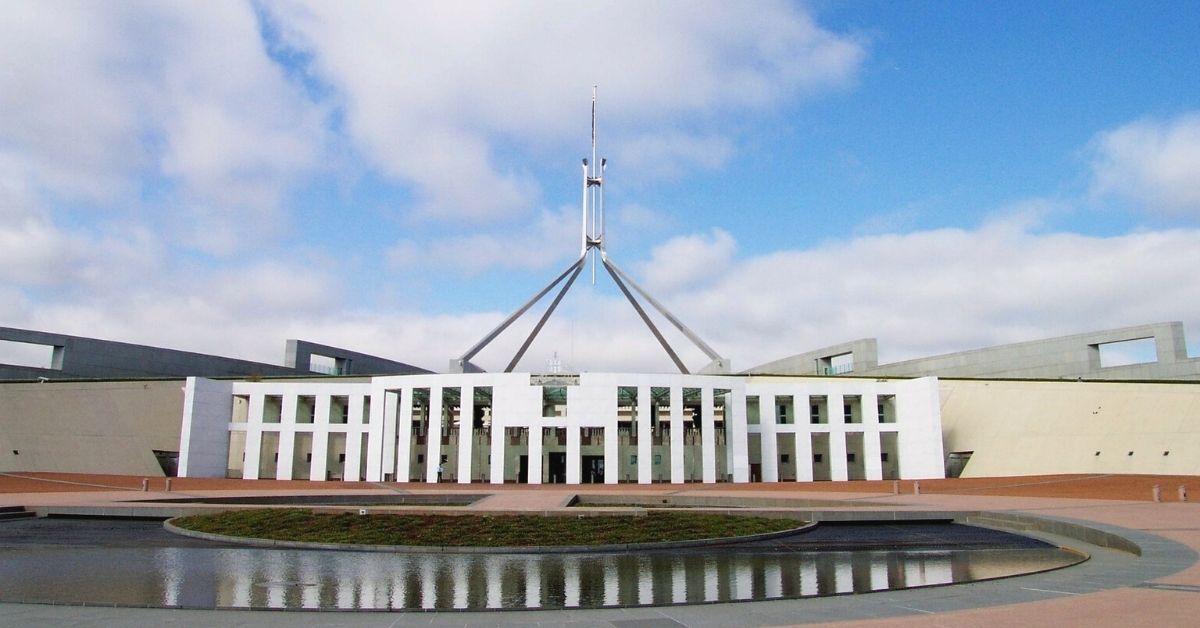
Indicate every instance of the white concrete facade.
{"type": "Point", "coordinates": [609, 427]}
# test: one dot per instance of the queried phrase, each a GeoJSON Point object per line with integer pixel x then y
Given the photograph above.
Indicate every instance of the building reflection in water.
{"type": "Point", "coordinates": [257, 578]}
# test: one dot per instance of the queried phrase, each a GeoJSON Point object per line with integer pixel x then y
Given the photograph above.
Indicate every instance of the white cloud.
{"type": "Point", "coordinates": [920, 293]}
{"type": "Point", "coordinates": [689, 261]}
{"type": "Point", "coordinates": [101, 100]}
{"type": "Point", "coordinates": [1154, 163]}
{"type": "Point", "coordinates": [672, 154]}
{"type": "Point", "coordinates": [552, 237]}
{"type": "Point", "coordinates": [425, 108]}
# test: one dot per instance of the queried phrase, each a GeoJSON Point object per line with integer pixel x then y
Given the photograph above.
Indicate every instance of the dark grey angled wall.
{"type": "Point", "coordinates": [86, 358]}
{"type": "Point", "coordinates": [300, 352]}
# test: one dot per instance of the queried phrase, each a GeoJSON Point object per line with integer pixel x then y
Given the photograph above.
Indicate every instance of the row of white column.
{"type": "Point", "coordinates": [836, 427]}
{"type": "Point", "coordinates": [397, 417]}
{"type": "Point", "coordinates": [388, 455]}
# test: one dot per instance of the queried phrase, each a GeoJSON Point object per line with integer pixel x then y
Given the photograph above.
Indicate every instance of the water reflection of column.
{"type": "Point", "coordinates": [397, 587]}
{"type": "Point", "coordinates": [276, 575]}
{"type": "Point", "coordinates": [711, 579]}
{"type": "Point", "coordinates": [428, 580]}
{"type": "Point", "coordinates": [492, 567]}
{"type": "Point", "coordinates": [309, 576]}
{"type": "Point", "coordinates": [611, 579]}
{"type": "Point", "coordinates": [533, 583]}
{"type": "Point", "coordinates": [645, 576]}
{"type": "Point", "coordinates": [167, 560]}
{"type": "Point", "coordinates": [571, 582]}
{"type": "Point", "coordinates": [879, 572]}
{"type": "Point", "coordinates": [367, 588]}
{"type": "Point", "coordinates": [231, 581]}
{"type": "Point", "coordinates": [928, 569]}
{"type": "Point", "coordinates": [345, 589]}
{"type": "Point", "coordinates": [808, 577]}
{"type": "Point", "coordinates": [678, 579]}
{"type": "Point", "coordinates": [459, 584]}
{"type": "Point", "coordinates": [773, 578]}
{"type": "Point", "coordinates": [843, 574]}
{"type": "Point", "coordinates": [743, 579]}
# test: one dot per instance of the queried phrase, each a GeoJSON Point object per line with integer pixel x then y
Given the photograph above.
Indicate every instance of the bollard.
{"type": "Point", "coordinates": [916, 488]}
{"type": "Point", "coordinates": [895, 487]}
{"type": "Point", "coordinates": [1156, 493]}
{"type": "Point", "coordinates": [145, 484]}
{"type": "Point", "coordinates": [168, 485]}
{"type": "Point", "coordinates": [1182, 493]}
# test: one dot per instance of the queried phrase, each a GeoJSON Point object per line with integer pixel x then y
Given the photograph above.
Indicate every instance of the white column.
{"type": "Point", "coordinates": [466, 432]}
{"type": "Point", "coordinates": [677, 468]}
{"type": "Point", "coordinates": [574, 452]}
{"type": "Point", "coordinates": [499, 438]}
{"type": "Point", "coordinates": [404, 428]}
{"type": "Point", "coordinates": [287, 438]}
{"type": "Point", "coordinates": [254, 425]}
{"type": "Point", "coordinates": [534, 474]}
{"type": "Point", "coordinates": [645, 449]}
{"type": "Point", "coordinates": [355, 432]}
{"type": "Point", "coordinates": [612, 463]}
{"type": "Point", "coordinates": [433, 440]}
{"type": "Point", "coordinates": [388, 399]}
{"type": "Point", "coordinates": [320, 439]}
{"type": "Point", "coordinates": [374, 436]}
{"type": "Point", "coordinates": [804, 461]}
{"type": "Point", "coordinates": [708, 437]}
{"type": "Point", "coordinates": [739, 461]}
{"type": "Point", "coordinates": [768, 440]}
{"type": "Point", "coordinates": [838, 469]}
{"type": "Point", "coordinates": [872, 464]}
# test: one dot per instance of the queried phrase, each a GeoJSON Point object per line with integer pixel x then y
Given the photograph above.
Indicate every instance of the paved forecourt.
{"type": "Point", "coordinates": [1114, 588]}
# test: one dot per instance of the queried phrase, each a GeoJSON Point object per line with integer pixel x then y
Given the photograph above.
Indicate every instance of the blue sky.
{"type": "Point", "coordinates": [941, 175]}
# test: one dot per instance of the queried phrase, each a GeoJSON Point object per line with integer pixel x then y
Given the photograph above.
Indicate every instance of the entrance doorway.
{"type": "Point", "coordinates": [593, 469]}
{"type": "Point", "coordinates": [557, 467]}
{"type": "Point", "coordinates": [523, 470]}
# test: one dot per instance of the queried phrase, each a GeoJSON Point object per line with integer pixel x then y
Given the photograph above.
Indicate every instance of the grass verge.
{"type": "Point", "coordinates": [297, 524]}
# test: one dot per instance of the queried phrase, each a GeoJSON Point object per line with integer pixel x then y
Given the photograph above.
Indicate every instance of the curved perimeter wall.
{"type": "Point", "coordinates": [1015, 427]}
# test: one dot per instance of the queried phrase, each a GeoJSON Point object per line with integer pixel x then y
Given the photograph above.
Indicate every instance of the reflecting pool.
{"type": "Point", "coordinates": [160, 571]}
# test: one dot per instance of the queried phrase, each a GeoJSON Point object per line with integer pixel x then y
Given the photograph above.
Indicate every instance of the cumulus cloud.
{"type": "Point", "coordinates": [686, 261]}
{"type": "Point", "coordinates": [1154, 163]}
{"type": "Point", "coordinates": [554, 236]}
{"type": "Point", "coordinates": [426, 109]}
{"type": "Point", "coordinates": [101, 100]}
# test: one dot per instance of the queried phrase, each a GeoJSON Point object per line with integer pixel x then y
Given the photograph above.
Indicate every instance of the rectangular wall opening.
{"type": "Point", "coordinates": [660, 433]}
{"type": "Point", "coordinates": [1126, 352]}
{"type": "Point", "coordinates": [818, 410]}
{"type": "Point", "coordinates": [30, 354]}
{"type": "Point", "coordinates": [481, 426]}
{"type": "Point", "coordinates": [241, 409]}
{"type": "Point", "coordinates": [554, 402]}
{"type": "Point", "coordinates": [721, 402]}
{"type": "Point", "coordinates": [268, 455]}
{"type": "Point", "coordinates": [306, 409]}
{"type": "Point", "coordinates": [886, 406]}
{"type": "Point", "coordinates": [786, 448]}
{"type": "Point", "coordinates": [339, 410]}
{"type": "Point", "coordinates": [820, 456]}
{"type": "Point", "coordinates": [272, 408]}
{"type": "Point", "coordinates": [889, 454]}
{"type": "Point", "coordinates": [516, 455]}
{"type": "Point", "coordinates": [335, 456]}
{"type": "Point", "coordinates": [302, 455]}
{"type": "Point", "coordinates": [856, 467]}
{"type": "Point", "coordinates": [327, 365]}
{"type": "Point", "coordinates": [236, 462]}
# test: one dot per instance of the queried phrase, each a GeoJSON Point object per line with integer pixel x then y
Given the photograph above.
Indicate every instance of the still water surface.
{"type": "Point", "coordinates": [197, 576]}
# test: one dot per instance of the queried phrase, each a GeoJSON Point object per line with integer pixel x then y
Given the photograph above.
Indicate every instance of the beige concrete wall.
{"type": "Point", "coordinates": [1032, 428]}
{"type": "Point", "coordinates": [89, 427]}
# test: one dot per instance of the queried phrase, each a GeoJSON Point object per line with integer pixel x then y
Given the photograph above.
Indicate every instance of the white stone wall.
{"type": "Point", "coordinates": [380, 445]}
